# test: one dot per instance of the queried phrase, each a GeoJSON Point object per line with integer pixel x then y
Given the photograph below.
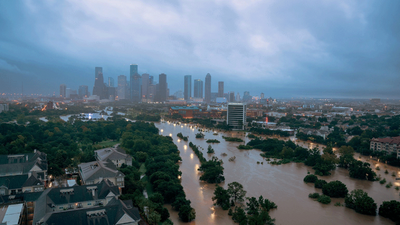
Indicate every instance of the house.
{"type": "Point", "coordinates": [117, 155]}
{"type": "Point", "coordinates": [21, 164]}
{"type": "Point", "coordinates": [388, 144]}
{"type": "Point", "coordinates": [23, 173]}
{"type": "Point", "coordinates": [96, 171]}
{"type": "Point", "coordinates": [86, 204]}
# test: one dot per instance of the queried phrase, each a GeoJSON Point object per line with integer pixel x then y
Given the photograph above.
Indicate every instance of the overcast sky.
{"type": "Point", "coordinates": [321, 48]}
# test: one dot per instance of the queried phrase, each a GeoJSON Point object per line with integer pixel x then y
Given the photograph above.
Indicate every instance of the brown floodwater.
{"type": "Point", "coordinates": [282, 184]}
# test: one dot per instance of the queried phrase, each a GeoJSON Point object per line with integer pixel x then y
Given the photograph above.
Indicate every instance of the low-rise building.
{"type": "Point", "coordinates": [388, 144]}
{"type": "Point", "coordinates": [86, 204]}
{"type": "Point", "coordinates": [22, 173]}
{"type": "Point", "coordinates": [96, 171]}
{"type": "Point", "coordinates": [117, 155]}
{"type": "Point", "coordinates": [185, 111]}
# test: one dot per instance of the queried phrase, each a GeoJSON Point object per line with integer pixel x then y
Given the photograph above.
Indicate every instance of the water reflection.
{"type": "Point", "coordinates": [282, 184]}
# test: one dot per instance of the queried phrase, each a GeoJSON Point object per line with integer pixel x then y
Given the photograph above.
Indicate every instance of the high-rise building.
{"type": "Point", "coordinates": [207, 88]}
{"type": "Point", "coordinates": [246, 96]}
{"type": "Point", "coordinates": [83, 91]}
{"type": "Point", "coordinates": [63, 90]}
{"type": "Point", "coordinates": [99, 87]}
{"type": "Point", "coordinates": [110, 82]}
{"type": "Point", "coordinates": [238, 97]}
{"type": "Point", "coordinates": [133, 69]}
{"type": "Point", "coordinates": [97, 71]}
{"type": "Point", "coordinates": [262, 96]}
{"type": "Point", "coordinates": [231, 96]}
{"type": "Point", "coordinates": [135, 84]}
{"type": "Point", "coordinates": [136, 88]}
{"type": "Point", "coordinates": [220, 89]}
{"type": "Point", "coordinates": [162, 88]}
{"type": "Point", "coordinates": [198, 88]}
{"type": "Point", "coordinates": [68, 92]}
{"type": "Point", "coordinates": [122, 87]}
{"type": "Point", "coordinates": [187, 87]}
{"type": "Point", "coordinates": [145, 85]}
{"type": "Point", "coordinates": [236, 115]}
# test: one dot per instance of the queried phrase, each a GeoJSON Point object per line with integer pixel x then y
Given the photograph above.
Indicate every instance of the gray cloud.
{"type": "Point", "coordinates": [282, 48]}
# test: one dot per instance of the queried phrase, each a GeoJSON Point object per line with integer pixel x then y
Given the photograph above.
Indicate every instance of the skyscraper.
{"type": "Point", "coordinates": [110, 82]}
{"type": "Point", "coordinates": [83, 91]}
{"type": "Point", "coordinates": [236, 115]}
{"type": "Point", "coordinates": [133, 69]}
{"type": "Point", "coordinates": [187, 87]}
{"type": "Point", "coordinates": [135, 83]}
{"type": "Point", "coordinates": [262, 95]}
{"type": "Point", "coordinates": [161, 95]}
{"type": "Point", "coordinates": [246, 96]}
{"type": "Point", "coordinates": [136, 88]}
{"type": "Point", "coordinates": [97, 70]}
{"type": "Point", "coordinates": [207, 88]}
{"type": "Point", "coordinates": [122, 87]}
{"type": "Point", "coordinates": [198, 88]}
{"type": "Point", "coordinates": [63, 90]}
{"type": "Point", "coordinates": [145, 85]}
{"type": "Point", "coordinates": [99, 88]}
{"type": "Point", "coordinates": [220, 89]}
{"type": "Point", "coordinates": [231, 96]}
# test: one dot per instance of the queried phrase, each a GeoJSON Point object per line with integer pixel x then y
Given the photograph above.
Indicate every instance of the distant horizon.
{"type": "Point", "coordinates": [338, 49]}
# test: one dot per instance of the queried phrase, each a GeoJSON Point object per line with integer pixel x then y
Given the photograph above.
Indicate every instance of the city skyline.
{"type": "Point", "coordinates": [293, 54]}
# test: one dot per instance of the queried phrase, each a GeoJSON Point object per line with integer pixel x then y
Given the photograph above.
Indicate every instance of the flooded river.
{"type": "Point", "coordinates": [282, 184]}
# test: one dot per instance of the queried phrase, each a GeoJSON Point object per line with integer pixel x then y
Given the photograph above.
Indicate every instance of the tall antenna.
{"type": "Point", "coordinates": [22, 89]}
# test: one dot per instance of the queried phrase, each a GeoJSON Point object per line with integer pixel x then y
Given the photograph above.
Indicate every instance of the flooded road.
{"type": "Point", "coordinates": [282, 184]}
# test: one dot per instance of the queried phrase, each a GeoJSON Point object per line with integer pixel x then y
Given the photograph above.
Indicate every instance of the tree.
{"type": "Point", "coordinates": [180, 201]}
{"type": "Point", "coordinates": [361, 202]}
{"type": "Point", "coordinates": [236, 191]}
{"type": "Point", "coordinates": [335, 189]}
{"type": "Point", "coordinates": [311, 178]}
{"type": "Point", "coordinates": [320, 183]}
{"type": "Point", "coordinates": [221, 197]}
{"type": "Point", "coordinates": [154, 218]}
{"type": "Point", "coordinates": [252, 206]}
{"type": "Point", "coordinates": [239, 216]}
{"type": "Point", "coordinates": [391, 210]}
{"type": "Point", "coordinates": [187, 213]}
{"type": "Point", "coordinates": [324, 199]}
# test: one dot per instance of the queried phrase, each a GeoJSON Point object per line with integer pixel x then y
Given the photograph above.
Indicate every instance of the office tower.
{"type": "Point", "coordinates": [63, 90]}
{"type": "Point", "coordinates": [220, 89]}
{"type": "Point", "coordinates": [198, 88]}
{"type": "Point", "coordinates": [68, 92]}
{"type": "Point", "coordinates": [187, 87]}
{"type": "Point", "coordinates": [83, 91]}
{"type": "Point", "coordinates": [99, 88]}
{"type": "Point", "coordinates": [97, 71]}
{"type": "Point", "coordinates": [122, 87]}
{"type": "Point", "coordinates": [133, 69]}
{"type": "Point", "coordinates": [110, 82]}
{"type": "Point", "coordinates": [162, 88]}
{"type": "Point", "coordinates": [236, 115]}
{"type": "Point", "coordinates": [207, 88]}
{"type": "Point", "coordinates": [145, 85]}
{"type": "Point", "coordinates": [238, 97]}
{"type": "Point", "coordinates": [262, 96]}
{"type": "Point", "coordinates": [111, 91]}
{"type": "Point", "coordinates": [246, 96]}
{"type": "Point", "coordinates": [134, 86]}
{"type": "Point", "coordinates": [231, 96]}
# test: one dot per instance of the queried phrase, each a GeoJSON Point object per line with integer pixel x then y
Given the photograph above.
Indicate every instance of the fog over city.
{"type": "Point", "coordinates": [282, 48]}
